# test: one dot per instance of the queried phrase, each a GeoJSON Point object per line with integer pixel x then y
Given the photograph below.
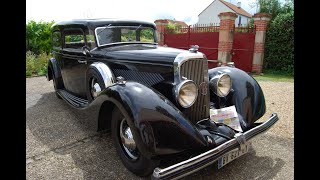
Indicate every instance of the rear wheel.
{"type": "Point", "coordinates": [94, 85]}
{"type": "Point", "coordinates": [126, 147]}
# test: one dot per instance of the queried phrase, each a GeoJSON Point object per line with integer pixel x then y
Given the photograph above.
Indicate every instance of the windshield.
{"type": "Point", "coordinates": [124, 34]}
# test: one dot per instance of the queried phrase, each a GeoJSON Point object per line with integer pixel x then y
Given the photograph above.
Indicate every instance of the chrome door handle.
{"type": "Point", "coordinates": [82, 61]}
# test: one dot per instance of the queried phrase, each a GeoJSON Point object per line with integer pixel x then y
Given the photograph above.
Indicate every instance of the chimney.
{"type": "Point", "coordinates": [239, 4]}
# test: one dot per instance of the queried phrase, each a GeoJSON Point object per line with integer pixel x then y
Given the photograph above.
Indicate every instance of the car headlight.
{"type": "Point", "coordinates": [221, 85]}
{"type": "Point", "coordinates": [186, 93]}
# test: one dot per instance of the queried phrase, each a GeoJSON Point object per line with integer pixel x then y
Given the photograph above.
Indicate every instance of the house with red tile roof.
{"type": "Point", "coordinates": [210, 13]}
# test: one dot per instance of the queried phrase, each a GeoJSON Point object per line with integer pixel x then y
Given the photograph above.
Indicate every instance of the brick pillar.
{"type": "Point", "coordinates": [226, 36]}
{"type": "Point", "coordinates": [161, 24]}
{"type": "Point", "coordinates": [261, 22]}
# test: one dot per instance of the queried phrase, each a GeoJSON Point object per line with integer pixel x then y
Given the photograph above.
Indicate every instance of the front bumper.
{"type": "Point", "coordinates": [196, 163]}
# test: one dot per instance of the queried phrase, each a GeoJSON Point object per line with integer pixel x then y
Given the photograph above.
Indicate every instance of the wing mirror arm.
{"type": "Point", "coordinates": [86, 51]}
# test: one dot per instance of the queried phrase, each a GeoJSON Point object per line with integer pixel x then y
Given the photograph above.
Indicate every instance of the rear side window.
{"type": "Point", "coordinates": [74, 39]}
{"type": "Point", "coordinates": [56, 39]}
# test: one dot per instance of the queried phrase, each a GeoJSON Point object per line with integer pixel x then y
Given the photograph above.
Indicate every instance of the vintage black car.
{"type": "Point", "coordinates": [160, 103]}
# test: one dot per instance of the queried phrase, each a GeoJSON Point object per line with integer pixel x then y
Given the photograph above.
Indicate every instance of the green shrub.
{"type": "Point", "coordinates": [279, 46]}
{"type": "Point", "coordinates": [30, 63]}
{"type": "Point", "coordinates": [36, 65]}
{"type": "Point", "coordinates": [42, 63]}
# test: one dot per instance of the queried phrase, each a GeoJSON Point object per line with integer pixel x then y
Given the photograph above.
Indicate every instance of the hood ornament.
{"type": "Point", "coordinates": [194, 48]}
{"type": "Point", "coordinates": [120, 80]}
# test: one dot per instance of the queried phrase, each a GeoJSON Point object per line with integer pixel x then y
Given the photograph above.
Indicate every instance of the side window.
{"type": "Point", "coordinates": [73, 39]}
{"type": "Point", "coordinates": [56, 39]}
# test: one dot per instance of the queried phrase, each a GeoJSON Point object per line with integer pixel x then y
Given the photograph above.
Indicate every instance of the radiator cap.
{"type": "Point", "coordinates": [230, 64]}
{"type": "Point", "coordinates": [194, 48]}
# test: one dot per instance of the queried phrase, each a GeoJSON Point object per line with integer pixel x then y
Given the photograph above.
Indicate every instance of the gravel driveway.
{"type": "Point", "coordinates": [59, 146]}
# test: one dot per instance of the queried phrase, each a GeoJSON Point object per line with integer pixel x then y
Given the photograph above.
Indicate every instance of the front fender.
{"type": "Point", "coordinates": [159, 127]}
{"type": "Point", "coordinates": [246, 95]}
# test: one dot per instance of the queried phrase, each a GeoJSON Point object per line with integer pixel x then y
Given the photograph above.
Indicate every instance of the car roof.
{"type": "Point", "coordinates": [92, 23]}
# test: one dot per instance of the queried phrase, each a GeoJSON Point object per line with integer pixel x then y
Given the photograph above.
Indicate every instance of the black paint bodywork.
{"type": "Point", "coordinates": [246, 94]}
{"type": "Point", "coordinates": [146, 99]}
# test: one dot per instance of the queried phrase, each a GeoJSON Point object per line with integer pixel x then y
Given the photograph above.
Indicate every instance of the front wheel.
{"type": "Point", "coordinates": [126, 147]}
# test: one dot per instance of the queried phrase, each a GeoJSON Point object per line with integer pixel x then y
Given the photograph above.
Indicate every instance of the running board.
{"type": "Point", "coordinates": [73, 100]}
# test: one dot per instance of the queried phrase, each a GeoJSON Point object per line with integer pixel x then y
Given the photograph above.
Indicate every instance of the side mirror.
{"type": "Point", "coordinates": [86, 51]}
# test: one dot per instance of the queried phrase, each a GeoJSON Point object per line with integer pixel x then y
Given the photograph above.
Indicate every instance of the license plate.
{"type": "Point", "coordinates": [232, 155]}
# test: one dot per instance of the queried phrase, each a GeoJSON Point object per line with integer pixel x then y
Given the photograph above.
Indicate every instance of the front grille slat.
{"type": "Point", "coordinates": [196, 70]}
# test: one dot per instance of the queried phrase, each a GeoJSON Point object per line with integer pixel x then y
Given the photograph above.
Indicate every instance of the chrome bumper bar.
{"type": "Point", "coordinates": [196, 163]}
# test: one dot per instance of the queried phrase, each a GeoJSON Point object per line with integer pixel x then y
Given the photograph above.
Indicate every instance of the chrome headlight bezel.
{"type": "Point", "coordinates": [178, 95]}
{"type": "Point", "coordinates": [216, 81]}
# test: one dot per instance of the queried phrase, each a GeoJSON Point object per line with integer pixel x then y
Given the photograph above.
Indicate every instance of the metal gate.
{"type": "Point", "coordinates": [242, 50]}
{"type": "Point", "coordinates": [207, 37]}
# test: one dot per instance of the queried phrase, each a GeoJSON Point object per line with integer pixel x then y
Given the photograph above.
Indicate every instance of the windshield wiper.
{"type": "Point", "coordinates": [138, 27]}
{"type": "Point", "coordinates": [105, 28]}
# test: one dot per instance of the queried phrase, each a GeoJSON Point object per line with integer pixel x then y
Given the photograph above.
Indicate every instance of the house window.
{"type": "Point", "coordinates": [239, 21]}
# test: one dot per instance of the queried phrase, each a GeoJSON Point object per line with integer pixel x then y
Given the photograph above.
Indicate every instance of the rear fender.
{"type": "Point", "coordinates": [53, 65]}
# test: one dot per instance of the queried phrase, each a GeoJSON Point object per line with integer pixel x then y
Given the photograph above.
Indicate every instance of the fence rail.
{"type": "Point", "coordinates": [212, 27]}
{"type": "Point", "coordinates": [244, 28]}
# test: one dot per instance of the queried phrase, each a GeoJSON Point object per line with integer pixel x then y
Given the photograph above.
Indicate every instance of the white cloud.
{"type": "Point", "coordinates": [148, 10]}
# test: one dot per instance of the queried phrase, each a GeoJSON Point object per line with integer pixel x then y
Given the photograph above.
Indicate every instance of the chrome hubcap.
{"type": "Point", "coordinates": [95, 88]}
{"type": "Point", "coordinates": [127, 140]}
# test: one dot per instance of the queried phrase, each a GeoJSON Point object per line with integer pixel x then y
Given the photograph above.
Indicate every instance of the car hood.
{"type": "Point", "coordinates": [147, 53]}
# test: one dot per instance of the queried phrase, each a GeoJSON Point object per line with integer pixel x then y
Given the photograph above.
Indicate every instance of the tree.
{"type": "Point", "coordinates": [38, 36]}
{"type": "Point", "coordinates": [172, 27]}
{"type": "Point", "coordinates": [273, 7]}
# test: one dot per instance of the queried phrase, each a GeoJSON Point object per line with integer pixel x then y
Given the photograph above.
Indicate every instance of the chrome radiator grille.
{"type": "Point", "coordinates": [197, 70]}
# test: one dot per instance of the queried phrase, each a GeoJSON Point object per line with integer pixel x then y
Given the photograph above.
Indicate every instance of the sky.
{"type": "Point", "coordinates": [148, 10]}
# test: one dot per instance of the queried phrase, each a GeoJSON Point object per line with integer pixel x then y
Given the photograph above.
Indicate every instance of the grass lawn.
{"type": "Point", "coordinates": [269, 76]}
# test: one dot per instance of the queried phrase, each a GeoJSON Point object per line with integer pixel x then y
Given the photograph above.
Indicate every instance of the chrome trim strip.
{"type": "Point", "coordinates": [105, 72]}
{"type": "Point", "coordinates": [179, 60]}
{"type": "Point", "coordinates": [196, 163]}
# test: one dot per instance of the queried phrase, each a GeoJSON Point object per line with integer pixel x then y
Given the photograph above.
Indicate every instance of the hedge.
{"type": "Point", "coordinates": [279, 46]}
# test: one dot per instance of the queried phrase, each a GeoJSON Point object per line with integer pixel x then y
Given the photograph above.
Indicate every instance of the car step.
{"type": "Point", "coordinates": [73, 100]}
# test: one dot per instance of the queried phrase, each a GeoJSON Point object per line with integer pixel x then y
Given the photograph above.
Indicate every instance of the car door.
{"type": "Point", "coordinates": [74, 61]}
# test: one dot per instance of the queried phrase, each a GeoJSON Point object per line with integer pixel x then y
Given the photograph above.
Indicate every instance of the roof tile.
{"type": "Point", "coordinates": [236, 9]}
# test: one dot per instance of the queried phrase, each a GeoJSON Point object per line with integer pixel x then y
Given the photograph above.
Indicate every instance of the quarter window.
{"type": "Point", "coordinates": [56, 39]}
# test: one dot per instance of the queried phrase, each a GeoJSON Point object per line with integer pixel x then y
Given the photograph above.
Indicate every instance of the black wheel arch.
{"type": "Point", "coordinates": [105, 115]}
{"type": "Point", "coordinates": [53, 67]}
{"type": "Point", "coordinates": [54, 72]}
